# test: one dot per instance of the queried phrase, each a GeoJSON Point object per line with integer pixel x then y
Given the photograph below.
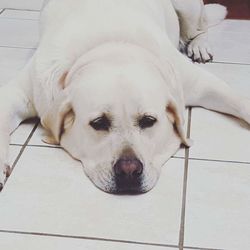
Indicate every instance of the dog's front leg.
{"type": "Point", "coordinates": [195, 19]}
{"type": "Point", "coordinates": [15, 106]}
{"type": "Point", "coordinates": [206, 90]}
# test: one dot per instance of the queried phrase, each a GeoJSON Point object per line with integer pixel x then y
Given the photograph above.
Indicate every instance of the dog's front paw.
{"type": "Point", "coordinates": [199, 50]}
{"type": "Point", "coordinates": [4, 174]}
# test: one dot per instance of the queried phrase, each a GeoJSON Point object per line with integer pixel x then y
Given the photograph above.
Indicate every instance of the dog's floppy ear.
{"type": "Point", "coordinates": [57, 119]}
{"type": "Point", "coordinates": [175, 115]}
{"type": "Point", "coordinates": [175, 99]}
{"type": "Point", "coordinates": [53, 118]}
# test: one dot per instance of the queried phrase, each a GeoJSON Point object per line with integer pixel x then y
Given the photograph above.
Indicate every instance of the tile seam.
{"type": "Point", "coordinates": [23, 147]}
{"type": "Point", "coordinates": [86, 238]}
{"type": "Point", "coordinates": [184, 192]}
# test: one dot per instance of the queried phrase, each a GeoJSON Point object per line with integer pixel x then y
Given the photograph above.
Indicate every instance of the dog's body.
{"type": "Point", "coordinates": [106, 73]}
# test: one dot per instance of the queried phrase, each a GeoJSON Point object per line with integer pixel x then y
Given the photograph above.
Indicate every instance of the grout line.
{"type": "Point", "coordinates": [16, 144]}
{"type": "Point", "coordinates": [184, 194]}
{"type": "Point", "coordinates": [15, 18]}
{"type": "Point", "coordinates": [202, 248]}
{"type": "Point", "coordinates": [2, 11]}
{"type": "Point", "coordinates": [222, 161]}
{"type": "Point", "coordinates": [173, 157]}
{"type": "Point", "coordinates": [230, 63]}
{"type": "Point", "coordinates": [44, 146]}
{"type": "Point", "coordinates": [101, 239]}
{"type": "Point", "coordinates": [22, 149]}
{"type": "Point", "coordinates": [16, 47]}
{"type": "Point", "coordinates": [221, 62]}
{"type": "Point", "coordinates": [36, 146]}
{"type": "Point", "coordinates": [87, 238]}
{"type": "Point", "coordinates": [178, 157]}
{"type": "Point", "coordinates": [211, 160]}
{"type": "Point", "coordinates": [22, 9]}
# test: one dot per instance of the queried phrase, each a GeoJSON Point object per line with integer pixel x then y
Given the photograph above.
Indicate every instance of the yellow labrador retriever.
{"type": "Point", "coordinates": [110, 85]}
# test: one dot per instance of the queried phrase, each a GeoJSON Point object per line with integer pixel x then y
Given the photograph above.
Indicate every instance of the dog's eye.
{"type": "Point", "coordinates": [147, 122]}
{"type": "Point", "coordinates": [101, 124]}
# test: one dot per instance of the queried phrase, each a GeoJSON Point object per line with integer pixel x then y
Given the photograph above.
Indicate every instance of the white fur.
{"type": "Point", "coordinates": [121, 58]}
{"type": "Point", "coordinates": [215, 13]}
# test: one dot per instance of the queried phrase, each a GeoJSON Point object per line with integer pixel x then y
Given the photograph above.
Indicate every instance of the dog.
{"type": "Point", "coordinates": [110, 85]}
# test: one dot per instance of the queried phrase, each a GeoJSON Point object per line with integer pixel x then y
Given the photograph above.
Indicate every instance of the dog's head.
{"type": "Point", "coordinates": [121, 120]}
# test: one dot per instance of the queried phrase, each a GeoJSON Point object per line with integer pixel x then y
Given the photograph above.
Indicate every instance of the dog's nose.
{"type": "Point", "coordinates": [128, 172]}
{"type": "Point", "coordinates": [128, 168]}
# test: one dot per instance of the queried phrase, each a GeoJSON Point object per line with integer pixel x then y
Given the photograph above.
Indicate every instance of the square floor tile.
{"type": "Point", "coordinates": [20, 135]}
{"type": "Point", "coordinates": [217, 136]}
{"type": "Point", "coordinates": [13, 153]}
{"type": "Point", "coordinates": [218, 205]}
{"type": "Point", "coordinates": [53, 195]}
{"type": "Point", "coordinates": [17, 14]}
{"type": "Point", "coordinates": [237, 76]}
{"type": "Point", "coordinates": [19, 33]}
{"type": "Point", "coordinates": [13, 61]}
{"type": "Point", "coordinates": [22, 4]}
{"type": "Point", "coordinates": [230, 41]}
{"type": "Point", "coordinates": [24, 242]}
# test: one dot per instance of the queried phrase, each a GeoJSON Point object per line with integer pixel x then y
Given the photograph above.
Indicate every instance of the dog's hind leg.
{"type": "Point", "coordinates": [195, 19]}
{"type": "Point", "coordinates": [15, 106]}
{"type": "Point", "coordinates": [203, 89]}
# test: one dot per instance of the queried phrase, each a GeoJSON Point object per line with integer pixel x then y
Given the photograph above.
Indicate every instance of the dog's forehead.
{"type": "Point", "coordinates": [133, 86]}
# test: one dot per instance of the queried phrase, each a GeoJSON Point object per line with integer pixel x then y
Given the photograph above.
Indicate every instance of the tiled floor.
{"type": "Point", "coordinates": [34, 5]}
{"type": "Point", "coordinates": [202, 200]}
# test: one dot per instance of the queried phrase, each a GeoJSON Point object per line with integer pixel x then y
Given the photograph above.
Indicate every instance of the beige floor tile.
{"type": "Point", "coordinates": [217, 136]}
{"type": "Point", "coordinates": [13, 153]}
{"type": "Point", "coordinates": [24, 242]}
{"type": "Point", "coordinates": [53, 195]}
{"type": "Point", "coordinates": [17, 14]}
{"type": "Point", "coordinates": [237, 76]}
{"type": "Point", "coordinates": [22, 132]}
{"type": "Point", "coordinates": [19, 33]}
{"type": "Point", "coordinates": [230, 41]}
{"type": "Point", "coordinates": [22, 4]}
{"type": "Point", "coordinates": [13, 61]}
{"type": "Point", "coordinates": [218, 203]}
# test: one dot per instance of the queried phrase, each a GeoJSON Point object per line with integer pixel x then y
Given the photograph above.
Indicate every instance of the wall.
{"type": "Point", "coordinates": [238, 9]}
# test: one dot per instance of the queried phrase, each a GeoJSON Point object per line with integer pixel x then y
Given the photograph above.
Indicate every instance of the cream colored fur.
{"type": "Point", "coordinates": [120, 58]}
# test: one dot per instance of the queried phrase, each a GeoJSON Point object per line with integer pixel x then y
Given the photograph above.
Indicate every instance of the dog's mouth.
{"type": "Point", "coordinates": [128, 185]}
{"type": "Point", "coordinates": [123, 183]}
{"type": "Point", "coordinates": [119, 187]}
{"type": "Point", "coordinates": [115, 187]}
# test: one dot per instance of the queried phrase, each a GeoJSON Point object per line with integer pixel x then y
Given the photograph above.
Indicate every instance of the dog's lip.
{"type": "Point", "coordinates": [121, 192]}
{"type": "Point", "coordinates": [113, 190]}
{"type": "Point", "coordinates": [117, 191]}
{"type": "Point", "coordinates": [129, 192]}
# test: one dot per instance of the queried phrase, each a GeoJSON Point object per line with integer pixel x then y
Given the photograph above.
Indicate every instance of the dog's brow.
{"type": "Point", "coordinates": [141, 114]}
{"type": "Point", "coordinates": [102, 114]}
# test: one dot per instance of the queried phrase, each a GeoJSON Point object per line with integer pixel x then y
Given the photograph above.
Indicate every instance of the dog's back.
{"type": "Point", "coordinates": [110, 16]}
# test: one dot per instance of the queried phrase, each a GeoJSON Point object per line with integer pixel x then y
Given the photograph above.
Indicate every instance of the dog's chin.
{"type": "Point", "coordinates": [108, 182]}
{"type": "Point", "coordinates": [116, 191]}
{"type": "Point", "coordinates": [111, 187]}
